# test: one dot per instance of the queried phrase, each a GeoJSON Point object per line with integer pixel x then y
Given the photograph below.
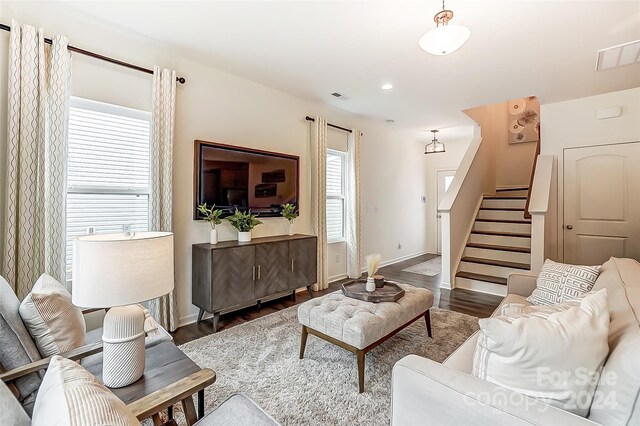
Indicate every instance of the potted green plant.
{"type": "Point", "coordinates": [211, 215]}
{"type": "Point", "coordinates": [290, 213]}
{"type": "Point", "coordinates": [244, 222]}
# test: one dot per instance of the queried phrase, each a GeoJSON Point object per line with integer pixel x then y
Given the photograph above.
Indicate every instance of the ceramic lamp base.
{"type": "Point", "coordinates": [123, 346]}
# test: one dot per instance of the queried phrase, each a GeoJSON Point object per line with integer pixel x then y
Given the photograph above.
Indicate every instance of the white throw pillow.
{"type": "Point", "coordinates": [551, 353]}
{"type": "Point", "coordinates": [55, 324]}
{"type": "Point", "coordinates": [559, 282]}
{"type": "Point", "coordinates": [70, 395]}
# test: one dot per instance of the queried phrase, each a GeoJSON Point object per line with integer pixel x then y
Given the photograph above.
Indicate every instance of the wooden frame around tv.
{"type": "Point", "coordinates": [197, 145]}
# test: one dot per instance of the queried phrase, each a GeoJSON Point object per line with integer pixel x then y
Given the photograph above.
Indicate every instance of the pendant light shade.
{"type": "Point", "coordinates": [444, 38]}
{"type": "Point", "coordinates": [434, 147]}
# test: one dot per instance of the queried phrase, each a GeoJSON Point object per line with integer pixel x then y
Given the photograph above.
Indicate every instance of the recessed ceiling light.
{"type": "Point", "coordinates": [387, 86]}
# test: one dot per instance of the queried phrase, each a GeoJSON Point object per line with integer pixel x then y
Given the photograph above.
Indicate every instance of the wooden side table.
{"type": "Point", "coordinates": [165, 365]}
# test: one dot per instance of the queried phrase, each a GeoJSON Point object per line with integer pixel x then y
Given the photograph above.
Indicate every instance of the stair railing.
{"type": "Point", "coordinates": [527, 214]}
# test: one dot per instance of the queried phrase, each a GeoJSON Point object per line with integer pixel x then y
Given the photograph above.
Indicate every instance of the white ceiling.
{"type": "Point", "coordinates": [311, 49]}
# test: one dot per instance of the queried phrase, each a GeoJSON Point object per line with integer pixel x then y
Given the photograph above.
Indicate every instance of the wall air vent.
{"type": "Point", "coordinates": [618, 56]}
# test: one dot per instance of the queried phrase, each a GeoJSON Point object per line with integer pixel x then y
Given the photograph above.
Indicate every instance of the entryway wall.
{"type": "Point", "coordinates": [456, 142]}
{"type": "Point", "coordinates": [574, 124]}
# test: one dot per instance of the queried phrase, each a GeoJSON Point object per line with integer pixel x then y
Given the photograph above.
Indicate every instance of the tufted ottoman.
{"type": "Point", "coordinates": [359, 326]}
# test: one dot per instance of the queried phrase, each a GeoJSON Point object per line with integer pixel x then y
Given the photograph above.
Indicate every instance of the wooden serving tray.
{"type": "Point", "coordinates": [356, 289]}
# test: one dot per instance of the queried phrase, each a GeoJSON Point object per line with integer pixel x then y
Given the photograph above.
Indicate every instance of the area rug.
{"type": "Point", "coordinates": [431, 267]}
{"type": "Point", "coordinates": [260, 359]}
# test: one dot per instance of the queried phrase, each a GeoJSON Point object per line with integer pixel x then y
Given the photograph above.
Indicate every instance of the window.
{"type": "Point", "coordinates": [108, 170]}
{"type": "Point", "coordinates": [335, 195]}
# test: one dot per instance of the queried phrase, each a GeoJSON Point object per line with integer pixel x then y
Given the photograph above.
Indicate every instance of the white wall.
{"type": "Point", "coordinates": [573, 124]}
{"type": "Point", "coordinates": [449, 160]}
{"type": "Point", "coordinates": [217, 106]}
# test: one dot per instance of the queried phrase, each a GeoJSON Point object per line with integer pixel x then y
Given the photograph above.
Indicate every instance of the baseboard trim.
{"type": "Point", "coordinates": [337, 278]}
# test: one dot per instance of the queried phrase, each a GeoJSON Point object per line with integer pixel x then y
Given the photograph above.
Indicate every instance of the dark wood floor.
{"type": "Point", "coordinates": [465, 301]}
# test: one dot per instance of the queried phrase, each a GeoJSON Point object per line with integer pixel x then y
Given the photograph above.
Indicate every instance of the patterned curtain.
{"type": "Point", "coordinates": [319, 196]}
{"type": "Point", "coordinates": [354, 257]}
{"type": "Point", "coordinates": [38, 107]}
{"type": "Point", "coordinates": [164, 309]}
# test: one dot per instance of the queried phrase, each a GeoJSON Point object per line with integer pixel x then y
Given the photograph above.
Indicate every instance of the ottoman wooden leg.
{"type": "Point", "coordinates": [303, 341]}
{"type": "Point", "coordinates": [360, 356]}
{"type": "Point", "coordinates": [427, 319]}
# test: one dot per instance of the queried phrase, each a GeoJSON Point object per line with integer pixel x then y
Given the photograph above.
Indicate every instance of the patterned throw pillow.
{"type": "Point", "coordinates": [55, 324]}
{"type": "Point", "coordinates": [70, 395]}
{"type": "Point", "coordinates": [559, 282]}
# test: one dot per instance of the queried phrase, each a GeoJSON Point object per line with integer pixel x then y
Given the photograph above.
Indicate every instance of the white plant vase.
{"type": "Point", "coordinates": [213, 239]}
{"type": "Point", "coordinates": [371, 285]}
{"type": "Point", "coordinates": [291, 228]}
{"type": "Point", "coordinates": [244, 237]}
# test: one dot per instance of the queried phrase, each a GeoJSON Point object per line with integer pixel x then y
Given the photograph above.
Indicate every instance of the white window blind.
{"type": "Point", "coordinates": [108, 170]}
{"type": "Point", "coordinates": [335, 195]}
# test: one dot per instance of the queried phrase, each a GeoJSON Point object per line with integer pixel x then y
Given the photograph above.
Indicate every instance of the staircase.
{"type": "Point", "coordinates": [499, 243]}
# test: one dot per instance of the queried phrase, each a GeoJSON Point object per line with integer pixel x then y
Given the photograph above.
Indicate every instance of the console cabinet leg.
{"type": "Point", "coordinates": [216, 319]}
{"type": "Point", "coordinates": [309, 291]}
{"type": "Point", "coordinates": [200, 315]}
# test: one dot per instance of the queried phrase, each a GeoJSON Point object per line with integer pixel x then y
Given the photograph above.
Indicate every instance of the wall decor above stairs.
{"type": "Point", "coordinates": [499, 243]}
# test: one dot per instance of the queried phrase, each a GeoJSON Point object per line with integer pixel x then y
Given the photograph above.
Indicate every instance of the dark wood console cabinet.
{"type": "Point", "coordinates": [231, 275]}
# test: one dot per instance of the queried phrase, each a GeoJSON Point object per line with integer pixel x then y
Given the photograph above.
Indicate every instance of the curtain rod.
{"type": "Point", "coordinates": [180, 80]}
{"type": "Point", "coordinates": [329, 124]}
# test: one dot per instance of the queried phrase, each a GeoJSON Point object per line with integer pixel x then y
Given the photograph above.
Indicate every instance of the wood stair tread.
{"type": "Point", "coordinates": [517, 188]}
{"type": "Point", "coordinates": [527, 222]}
{"type": "Point", "coordinates": [504, 209]}
{"type": "Point", "coordinates": [501, 248]}
{"type": "Point", "coordinates": [492, 262]}
{"type": "Point", "coordinates": [502, 234]}
{"type": "Point", "coordinates": [482, 277]}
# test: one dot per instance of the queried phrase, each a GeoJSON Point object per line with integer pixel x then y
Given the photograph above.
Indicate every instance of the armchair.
{"type": "Point", "coordinates": [18, 352]}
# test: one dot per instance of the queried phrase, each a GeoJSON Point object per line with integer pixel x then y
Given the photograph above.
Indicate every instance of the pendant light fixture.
{"type": "Point", "coordinates": [434, 146]}
{"type": "Point", "coordinates": [444, 38]}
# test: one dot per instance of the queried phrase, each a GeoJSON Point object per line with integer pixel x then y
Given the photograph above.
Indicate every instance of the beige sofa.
{"type": "Point", "coordinates": [427, 392]}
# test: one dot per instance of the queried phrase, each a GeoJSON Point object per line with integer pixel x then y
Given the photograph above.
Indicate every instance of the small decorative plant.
{"type": "Point", "coordinates": [211, 215]}
{"type": "Point", "coordinates": [244, 222]}
{"type": "Point", "coordinates": [289, 212]}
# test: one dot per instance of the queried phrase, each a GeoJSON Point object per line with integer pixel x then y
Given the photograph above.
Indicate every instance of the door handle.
{"type": "Point", "coordinates": [258, 272]}
{"type": "Point", "coordinates": [253, 273]}
{"type": "Point", "coordinates": [292, 260]}
{"type": "Point", "coordinates": [569, 227]}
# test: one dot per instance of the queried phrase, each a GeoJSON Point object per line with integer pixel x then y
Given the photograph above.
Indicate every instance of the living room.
{"type": "Point", "coordinates": [344, 90]}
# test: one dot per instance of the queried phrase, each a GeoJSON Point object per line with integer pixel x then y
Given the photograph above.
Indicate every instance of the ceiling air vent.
{"type": "Point", "coordinates": [336, 95]}
{"type": "Point", "coordinates": [617, 56]}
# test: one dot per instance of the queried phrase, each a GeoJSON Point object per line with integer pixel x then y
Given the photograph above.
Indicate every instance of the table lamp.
{"type": "Point", "coordinates": [117, 271]}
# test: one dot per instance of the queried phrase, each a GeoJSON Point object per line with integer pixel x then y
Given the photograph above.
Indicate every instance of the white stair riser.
{"type": "Point", "coordinates": [523, 228]}
{"type": "Point", "coordinates": [499, 203]}
{"type": "Point", "coordinates": [495, 271]}
{"type": "Point", "coordinates": [500, 240]}
{"type": "Point", "coordinates": [481, 286]}
{"type": "Point", "coordinates": [501, 215]}
{"type": "Point", "coordinates": [508, 256]}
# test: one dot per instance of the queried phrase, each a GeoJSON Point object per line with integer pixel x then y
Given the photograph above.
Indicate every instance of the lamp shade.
{"type": "Point", "coordinates": [121, 269]}
{"type": "Point", "coordinates": [445, 39]}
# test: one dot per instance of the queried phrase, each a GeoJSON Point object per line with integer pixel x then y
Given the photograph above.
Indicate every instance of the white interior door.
{"type": "Point", "coordinates": [601, 203]}
{"type": "Point", "coordinates": [444, 179]}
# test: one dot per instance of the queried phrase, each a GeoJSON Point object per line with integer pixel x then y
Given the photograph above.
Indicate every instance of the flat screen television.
{"type": "Point", "coordinates": [233, 177]}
